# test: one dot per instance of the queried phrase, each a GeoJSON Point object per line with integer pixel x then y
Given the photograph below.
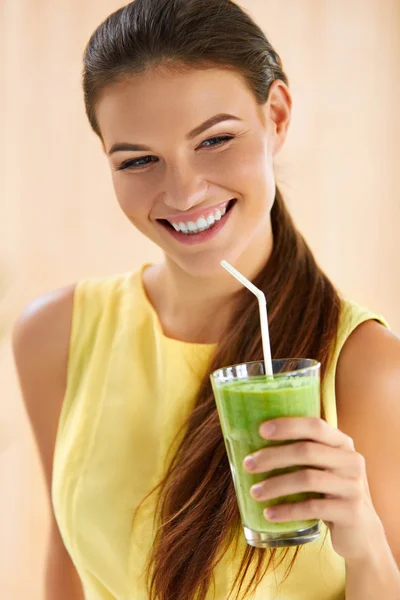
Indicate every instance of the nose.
{"type": "Point", "coordinates": [184, 189]}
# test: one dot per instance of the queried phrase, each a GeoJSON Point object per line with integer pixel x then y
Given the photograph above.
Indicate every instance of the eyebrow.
{"type": "Point", "coordinates": [124, 146]}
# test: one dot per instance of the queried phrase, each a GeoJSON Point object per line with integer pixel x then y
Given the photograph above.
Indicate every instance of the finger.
{"type": "Point", "coordinates": [345, 463]}
{"type": "Point", "coordinates": [337, 511]}
{"type": "Point", "coordinates": [305, 480]}
{"type": "Point", "coordinates": [305, 428]}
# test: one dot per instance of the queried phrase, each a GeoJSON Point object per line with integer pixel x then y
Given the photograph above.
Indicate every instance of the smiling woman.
{"type": "Point", "coordinates": [191, 106]}
{"type": "Point", "coordinates": [201, 152]}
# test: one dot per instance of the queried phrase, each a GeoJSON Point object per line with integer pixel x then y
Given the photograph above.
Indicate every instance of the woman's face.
{"type": "Point", "coordinates": [170, 167]}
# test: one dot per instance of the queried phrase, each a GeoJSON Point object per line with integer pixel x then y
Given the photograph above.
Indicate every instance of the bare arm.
{"type": "Point", "coordinates": [41, 344]}
{"type": "Point", "coordinates": [368, 397]}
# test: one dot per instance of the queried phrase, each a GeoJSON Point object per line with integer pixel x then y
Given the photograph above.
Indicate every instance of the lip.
{"type": "Point", "coordinates": [195, 214]}
{"type": "Point", "coordinates": [203, 236]}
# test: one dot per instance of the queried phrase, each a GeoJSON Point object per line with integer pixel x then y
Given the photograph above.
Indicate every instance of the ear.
{"type": "Point", "coordinates": [278, 113]}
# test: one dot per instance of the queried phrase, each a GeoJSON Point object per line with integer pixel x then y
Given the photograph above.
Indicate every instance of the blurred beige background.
{"type": "Point", "coordinates": [60, 221]}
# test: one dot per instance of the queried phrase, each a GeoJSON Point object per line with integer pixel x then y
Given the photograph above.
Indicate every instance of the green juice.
{"type": "Point", "coordinates": [242, 406]}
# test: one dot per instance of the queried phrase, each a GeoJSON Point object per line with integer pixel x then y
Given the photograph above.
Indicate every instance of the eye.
{"type": "Point", "coordinates": [136, 163]}
{"type": "Point", "coordinates": [219, 141]}
{"type": "Point", "coordinates": [144, 161]}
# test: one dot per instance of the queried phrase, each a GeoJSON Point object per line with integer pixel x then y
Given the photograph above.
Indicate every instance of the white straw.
{"type": "Point", "coordinates": [262, 304]}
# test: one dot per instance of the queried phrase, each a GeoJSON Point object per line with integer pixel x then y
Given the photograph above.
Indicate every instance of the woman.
{"type": "Point", "coordinates": [191, 106]}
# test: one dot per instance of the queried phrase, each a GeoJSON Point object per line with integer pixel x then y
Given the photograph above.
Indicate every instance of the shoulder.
{"type": "Point", "coordinates": [369, 363]}
{"type": "Point", "coordinates": [41, 333]}
{"type": "Point", "coordinates": [40, 340]}
{"type": "Point", "coordinates": [368, 385]}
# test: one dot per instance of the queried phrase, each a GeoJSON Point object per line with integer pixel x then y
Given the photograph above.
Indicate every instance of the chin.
{"type": "Point", "coordinates": [206, 264]}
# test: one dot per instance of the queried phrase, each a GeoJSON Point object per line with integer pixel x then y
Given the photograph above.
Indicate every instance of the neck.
{"type": "Point", "coordinates": [197, 308]}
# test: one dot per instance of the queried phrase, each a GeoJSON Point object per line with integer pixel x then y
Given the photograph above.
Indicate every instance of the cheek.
{"type": "Point", "coordinates": [253, 172]}
{"type": "Point", "coordinates": [133, 195]}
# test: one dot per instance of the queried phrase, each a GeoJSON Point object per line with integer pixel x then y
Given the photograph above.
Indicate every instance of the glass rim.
{"type": "Point", "coordinates": [313, 367]}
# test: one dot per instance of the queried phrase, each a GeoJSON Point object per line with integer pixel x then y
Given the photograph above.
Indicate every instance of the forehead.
{"type": "Point", "coordinates": [161, 100]}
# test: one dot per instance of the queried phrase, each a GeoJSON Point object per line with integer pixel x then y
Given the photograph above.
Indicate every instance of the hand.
{"type": "Point", "coordinates": [334, 469]}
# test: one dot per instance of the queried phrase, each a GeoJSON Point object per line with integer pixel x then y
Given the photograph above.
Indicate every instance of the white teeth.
{"type": "Point", "coordinates": [210, 220]}
{"type": "Point", "coordinates": [201, 224]}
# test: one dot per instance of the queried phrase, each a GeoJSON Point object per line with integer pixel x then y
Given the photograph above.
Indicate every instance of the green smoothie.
{"type": "Point", "coordinates": [242, 406]}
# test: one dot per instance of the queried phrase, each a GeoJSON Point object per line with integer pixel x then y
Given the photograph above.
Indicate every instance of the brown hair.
{"type": "Point", "coordinates": [197, 508]}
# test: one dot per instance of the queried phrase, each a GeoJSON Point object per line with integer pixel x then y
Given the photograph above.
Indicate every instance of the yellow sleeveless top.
{"type": "Point", "coordinates": [129, 388]}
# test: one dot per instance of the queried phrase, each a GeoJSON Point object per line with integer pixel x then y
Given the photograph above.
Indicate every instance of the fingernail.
{"type": "Point", "coordinates": [250, 463]}
{"type": "Point", "coordinates": [256, 490]}
{"type": "Point", "coordinates": [270, 513]}
{"type": "Point", "coordinates": [267, 429]}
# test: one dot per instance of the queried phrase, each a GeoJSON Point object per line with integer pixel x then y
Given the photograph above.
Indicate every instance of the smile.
{"type": "Point", "coordinates": [201, 229]}
{"type": "Point", "coordinates": [201, 224]}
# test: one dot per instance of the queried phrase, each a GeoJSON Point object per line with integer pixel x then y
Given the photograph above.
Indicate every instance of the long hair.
{"type": "Point", "coordinates": [197, 510]}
